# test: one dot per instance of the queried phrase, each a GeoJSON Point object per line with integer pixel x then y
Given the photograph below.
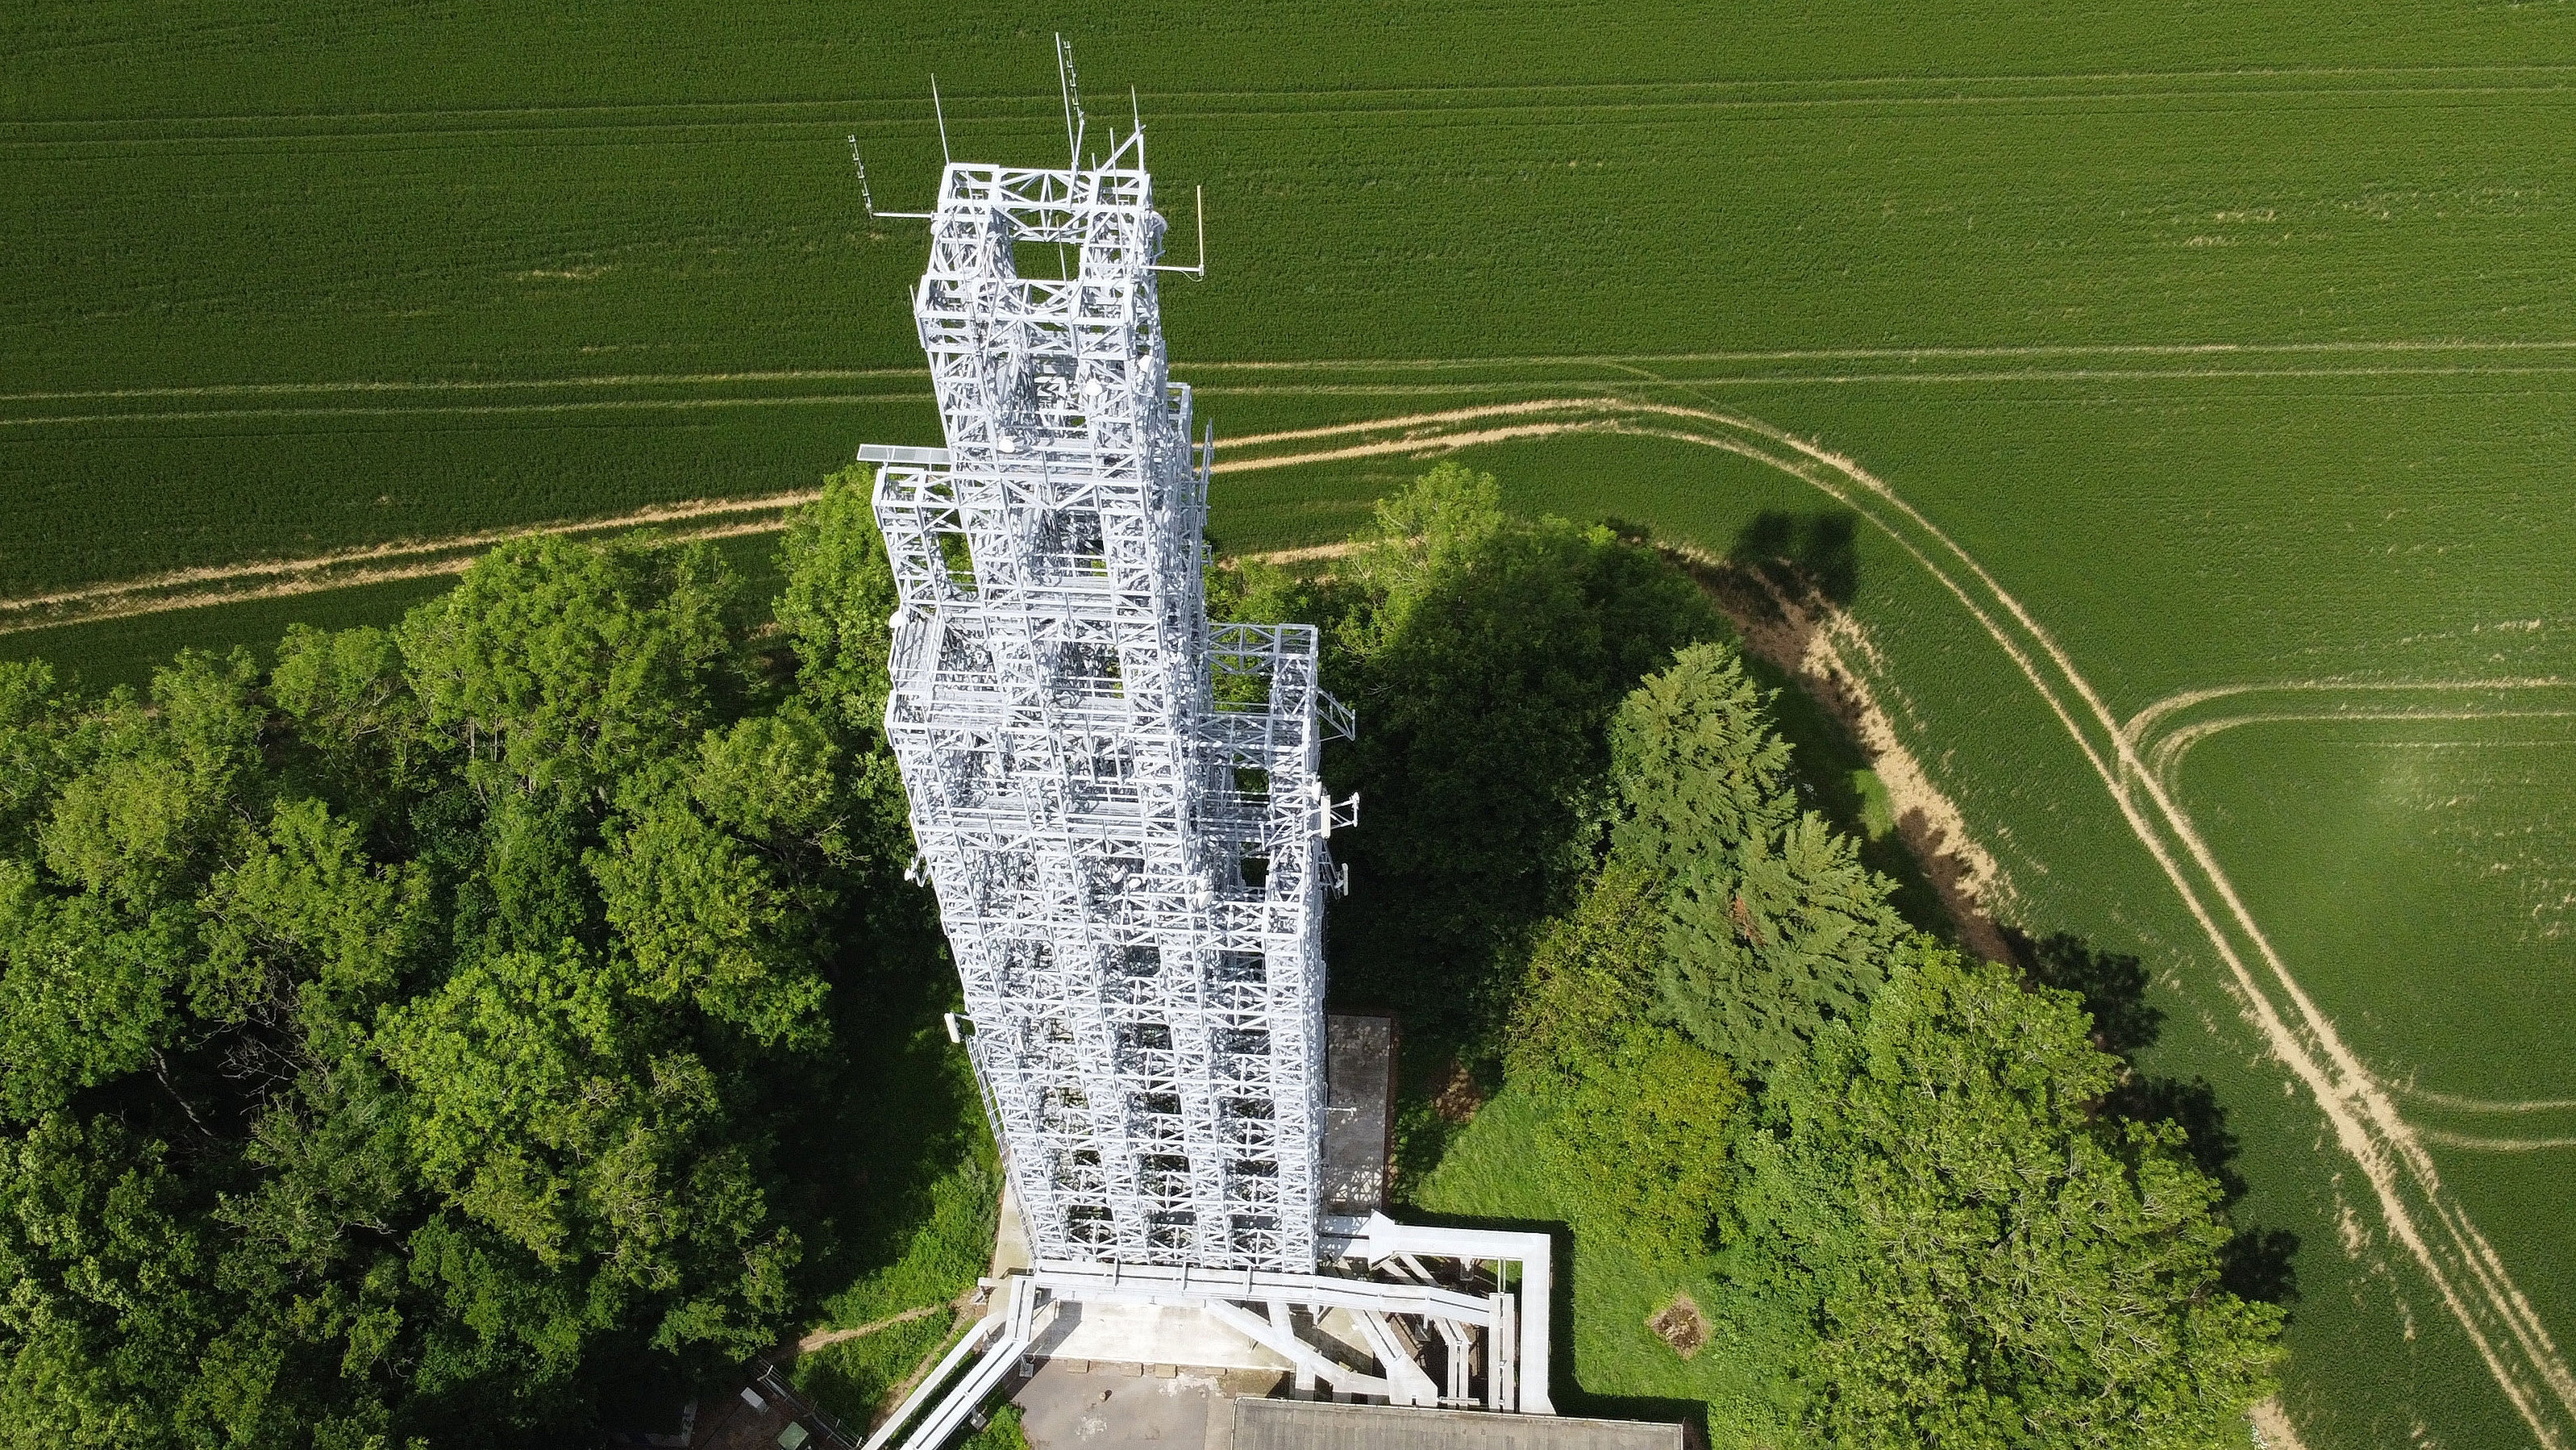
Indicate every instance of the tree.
{"type": "Point", "coordinates": [38, 746]}
{"type": "Point", "coordinates": [557, 666]}
{"type": "Point", "coordinates": [1774, 926]}
{"type": "Point", "coordinates": [352, 706]}
{"type": "Point", "coordinates": [697, 915]}
{"type": "Point", "coordinates": [1990, 1262]}
{"type": "Point", "coordinates": [1697, 764]}
{"type": "Point", "coordinates": [107, 1310]}
{"type": "Point", "coordinates": [475, 969]}
{"type": "Point", "coordinates": [839, 598]}
{"type": "Point", "coordinates": [1640, 1112]}
{"type": "Point", "coordinates": [1484, 654]}
{"type": "Point", "coordinates": [305, 936]}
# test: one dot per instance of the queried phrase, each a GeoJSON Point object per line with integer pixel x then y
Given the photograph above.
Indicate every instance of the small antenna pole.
{"type": "Point", "coordinates": [870, 202]}
{"type": "Point", "coordinates": [865, 200]}
{"type": "Point", "coordinates": [1064, 85]}
{"type": "Point", "coordinates": [1071, 85]}
{"type": "Point", "coordinates": [1136, 110]}
{"type": "Point", "coordinates": [942, 116]}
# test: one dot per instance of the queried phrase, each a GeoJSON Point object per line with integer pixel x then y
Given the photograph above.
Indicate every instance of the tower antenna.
{"type": "Point", "coordinates": [870, 202]}
{"type": "Point", "coordinates": [942, 117]}
{"type": "Point", "coordinates": [1199, 271]}
{"type": "Point", "coordinates": [865, 200]}
{"type": "Point", "coordinates": [1071, 85]}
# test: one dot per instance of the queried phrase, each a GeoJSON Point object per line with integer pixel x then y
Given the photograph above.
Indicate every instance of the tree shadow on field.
{"type": "Point", "coordinates": [2113, 986]}
{"type": "Point", "coordinates": [2258, 1263]}
{"type": "Point", "coordinates": [1818, 550]}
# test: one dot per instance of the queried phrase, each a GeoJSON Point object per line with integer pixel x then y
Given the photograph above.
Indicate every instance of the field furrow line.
{"type": "Point", "coordinates": [1929, 352]}
{"type": "Point", "coordinates": [1046, 102]}
{"type": "Point", "coordinates": [1356, 390]}
{"type": "Point", "coordinates": [198, 588]}
{"type": "Point", "coordinates": [463, 410]}
{"type": "Point", "coordinates": [464, 385]}
{"type": "Point", "coordinates": [2459, 1104]}
{"type": "Point", "coordinates": [2471, 1142]}
{"type": "Point", "coordinates": [1464, 100]}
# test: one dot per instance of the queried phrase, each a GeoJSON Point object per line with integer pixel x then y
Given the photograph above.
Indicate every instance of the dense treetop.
{"type": "Point", "coordinates": [406, 1040]}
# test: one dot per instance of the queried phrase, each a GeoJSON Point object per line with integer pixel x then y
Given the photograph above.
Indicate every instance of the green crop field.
{"type": "Point", "coordinates": [2203, 379]}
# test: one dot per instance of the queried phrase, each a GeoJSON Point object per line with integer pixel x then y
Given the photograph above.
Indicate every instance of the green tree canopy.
{"type": "Point", "coordinates": [1991, 1261]}
{"type": "Point", "coordinates": [403, 1041]}
{"type": "Point", "coordinates": [1640, 1112]}
{"type": "Point", "coordinates": [1773, 924]}
{"type": "Point", "coordinates": [1484, 654]}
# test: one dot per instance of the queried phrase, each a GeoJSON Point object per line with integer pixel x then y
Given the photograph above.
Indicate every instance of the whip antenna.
{"type": "Point", "coordinates": [942, 117]}
{"type": "Point", "coordinates": [868, 201]}
{"type": "Point", "coordinates": [865, 200]}
{"type": "Point", "coordinates": [1071, 85]}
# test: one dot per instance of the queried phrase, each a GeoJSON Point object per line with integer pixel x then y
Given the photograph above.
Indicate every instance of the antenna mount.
{"type": "Point", "coordinates": [1198, 271]}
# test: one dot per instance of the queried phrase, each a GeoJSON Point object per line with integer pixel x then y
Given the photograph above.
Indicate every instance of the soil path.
{"type": "Point", "coordinates": [825, 1338]}
{"type": "Point", "coordinates": [375, 564]}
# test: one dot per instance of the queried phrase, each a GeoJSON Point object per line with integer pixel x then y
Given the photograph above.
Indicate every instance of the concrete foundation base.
{"type": "Point", "coordinates": [1149, 1335]}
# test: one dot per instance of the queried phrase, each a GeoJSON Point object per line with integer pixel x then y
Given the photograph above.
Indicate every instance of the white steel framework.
{"type": "Point", "coordinates": [1116, 803]}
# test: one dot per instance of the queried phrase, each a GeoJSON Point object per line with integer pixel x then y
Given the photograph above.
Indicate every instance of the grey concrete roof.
{"type": "Point", "coordinates": [1322, 1425]}
{"type": "Point", "coordinates": [1359, 1107]}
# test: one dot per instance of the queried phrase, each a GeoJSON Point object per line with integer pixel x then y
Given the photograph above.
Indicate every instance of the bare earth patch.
{"type": "Point", "coordinates": [1818, 643]}
{"type": "Point", "coordinates": [1679, 1324]}
{"type": "Point", "coordinates": [1459, 1097]}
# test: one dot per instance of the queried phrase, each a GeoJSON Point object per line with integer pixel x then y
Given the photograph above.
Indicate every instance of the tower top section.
{"type": "Point", "coordinates": [1047, 205]}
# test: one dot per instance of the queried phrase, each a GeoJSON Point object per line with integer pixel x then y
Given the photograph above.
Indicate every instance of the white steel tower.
{"type": "Point", "coordinates": [1116, 803]}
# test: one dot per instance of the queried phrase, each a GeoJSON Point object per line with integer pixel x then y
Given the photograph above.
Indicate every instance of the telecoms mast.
{"type": "Point", "coordinates": [1116, 802]}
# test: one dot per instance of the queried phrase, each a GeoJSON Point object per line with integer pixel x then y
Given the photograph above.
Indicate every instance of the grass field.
{"type": "Point", "coordinates": [2160, 352]}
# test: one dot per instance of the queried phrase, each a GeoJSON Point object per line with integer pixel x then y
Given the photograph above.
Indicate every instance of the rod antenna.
{"type": "Point", "coordinates": [942, 116]}
{"type": "Point", "coordinates": [1071, 85]}
{"type": "Point", "coordinates": [1198, 271]}
{"type": "Point", "coordinates": [870, 202]}
{"type": "Point", "coordinates": [865, 200]}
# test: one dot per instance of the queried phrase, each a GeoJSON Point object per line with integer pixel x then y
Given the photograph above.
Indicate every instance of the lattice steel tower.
{"type": "Point", "coordinates": [1116, 803]}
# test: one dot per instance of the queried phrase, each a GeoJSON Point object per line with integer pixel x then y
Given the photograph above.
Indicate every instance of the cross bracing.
{"type": "Point", "coordinates": [1116, 802]}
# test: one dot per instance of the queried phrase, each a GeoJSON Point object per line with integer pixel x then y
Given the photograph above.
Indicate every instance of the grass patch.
{"type": "Point", "coordinates": [947, 1251]}
{"type": "Point", "coordinates": [853, 1379]}
{"type": "Point", "coordinates": [1498, 1167]}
